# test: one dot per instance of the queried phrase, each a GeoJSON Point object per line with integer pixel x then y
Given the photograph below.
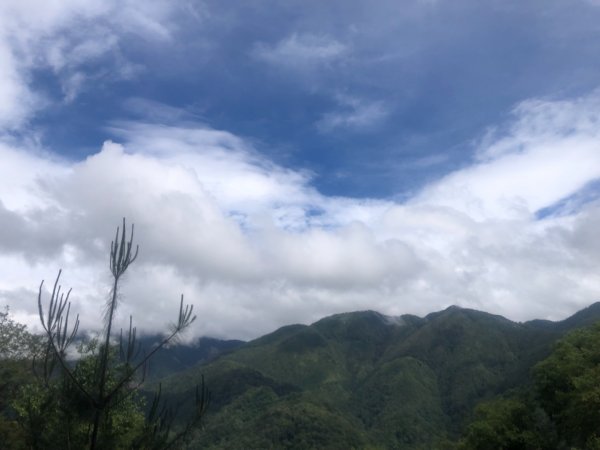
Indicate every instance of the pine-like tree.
{"type": "Point", "coordinates": [94, 403]}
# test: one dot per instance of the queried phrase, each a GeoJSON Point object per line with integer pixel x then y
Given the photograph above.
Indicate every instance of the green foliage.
{"type": "Point", "coordinates": [358, 380]}
{"type": "Point", "coordinates": [304, 425]}
{"type": "Point", "coordinates": [17, 348]}
{"type": "Point", "coordinates": [261, 419]}
{"type": "Point", "coordinates": [94, 401]}
{"type": "Point", "coordinates": [561, 410]}
{"type": "Point", "coordinates": [568, 385]}
{"type": "Point", "coordinates": [509, 424]}
{"type": "Point", "coordinates": [407, 383]}
{"type": "Point", "coordinates": [400, 405]}
{"type": "Point", "coordinates": [16, 343]}
{"type": "Point", "coordinates": [474, 355]}
{"type": "Point", "coordinates": [59, 413]}
{"type": "Point", "coordinates": [377, 383]}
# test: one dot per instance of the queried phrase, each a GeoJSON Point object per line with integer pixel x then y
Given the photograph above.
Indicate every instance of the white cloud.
{"type": "Point", "coordinates": [354, 114]}
{"type": "Point", "coordinates": [16, 101]}
{"type": "Point", "coordinates": [308, 55]}
{"type": "Point", "coordinates": [240, 180]}
{"type": "Point", "coordinates": [21, 167]}
{"type": "Point", "coordinates": [63, 36]}
{"type": "Point", "coordinates": [254, 246]}
{"type": "Point", "coordinates": [551, 151]}
{"type": "Point", "coordinates": [187, 237]}
{"type": "Point", "coordinates": [301, 51]}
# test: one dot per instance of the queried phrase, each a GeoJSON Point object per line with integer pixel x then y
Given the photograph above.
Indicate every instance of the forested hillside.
{"type": "Point", "coordinates": [457, 378]}
{"type": "Point", "coordinates": [364, 380]}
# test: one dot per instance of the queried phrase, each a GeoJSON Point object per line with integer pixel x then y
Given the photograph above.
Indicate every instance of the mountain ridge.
{"type": "Point", "coordinates": [374, 380]}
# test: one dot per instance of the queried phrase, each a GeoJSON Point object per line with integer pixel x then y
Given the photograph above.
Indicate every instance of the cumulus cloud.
{"type": "Point", "coordinates": [240, 179]}
{"type": "Point", "coordinates": [189, 238]}
{"type": "Point", "coordinates": [254, 246]}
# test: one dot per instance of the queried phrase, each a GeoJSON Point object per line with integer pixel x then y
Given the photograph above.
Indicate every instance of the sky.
{"type": "Point", "coordinates": [283, 161]}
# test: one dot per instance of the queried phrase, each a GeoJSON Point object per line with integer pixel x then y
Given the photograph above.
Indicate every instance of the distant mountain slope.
{"type": "Point", "coordinates": [362, 379]}
{"type": "Point", "coordinates": [178, 357]}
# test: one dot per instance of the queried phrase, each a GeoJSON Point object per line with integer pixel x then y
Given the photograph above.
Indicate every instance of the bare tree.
{"type": "Point", "coordinates": [110, 385]}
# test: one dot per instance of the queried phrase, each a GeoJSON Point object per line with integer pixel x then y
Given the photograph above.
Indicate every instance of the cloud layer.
{"type": "Point", "coordinates": [254, 246]}
{"type": "Point", "coordinates": [222, 217]}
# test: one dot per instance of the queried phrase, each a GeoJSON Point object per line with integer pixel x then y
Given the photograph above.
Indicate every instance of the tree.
{"type": "Point", "coordinates": [17, 349]}
{"type": "Point", "coordinates": [568, 387]}
{"type": "Point", "coordinates": [509, 424]}
{"type": "Point", "coordinates": [94, 402]}
{"type": "Point", "coordinates": [16, 343]}
{"type": "Point", "coordinates": [560, 410]}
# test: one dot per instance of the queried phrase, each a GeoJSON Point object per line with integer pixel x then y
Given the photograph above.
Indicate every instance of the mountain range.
{"type": "Point", "coordinates": [359, 379]}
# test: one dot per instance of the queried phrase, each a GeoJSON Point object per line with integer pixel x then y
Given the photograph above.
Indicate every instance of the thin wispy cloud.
{"type": "Point", "coordinates": [550, 151]}
{"type": "Point", "coordinates": [68, 38]}
{"type": "Point", "coordinates": [354, 114]}
{"type": "Point", "coordinates": [301, 51]}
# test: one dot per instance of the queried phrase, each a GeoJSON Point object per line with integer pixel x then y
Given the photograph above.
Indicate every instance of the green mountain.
{"type": "Point", "coordinates": [365, 380]}
{"type": "Point", "coordinates": [178, 357]}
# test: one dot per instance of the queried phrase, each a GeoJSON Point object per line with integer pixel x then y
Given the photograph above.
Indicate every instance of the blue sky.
{"type": "Point", "coordinates": [395, 155]}
{"type": "Point", "coordinates": [374, 99]}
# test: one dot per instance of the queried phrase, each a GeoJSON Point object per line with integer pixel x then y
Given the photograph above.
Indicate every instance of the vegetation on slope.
{"type": "Point", "coordinates": [456, 379]}
{"type": "Point", "coordinates": [380, 382]}
{"type": "Point", "coordinates": [560, 410]}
